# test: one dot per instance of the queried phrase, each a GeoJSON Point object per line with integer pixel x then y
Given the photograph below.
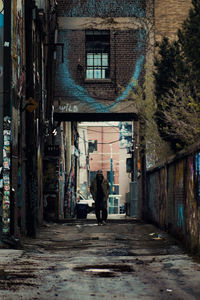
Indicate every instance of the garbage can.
{"type": "Point", "coordinates": [81, 210]}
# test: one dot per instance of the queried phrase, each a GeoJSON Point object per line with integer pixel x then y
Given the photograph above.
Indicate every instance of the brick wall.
{"type": "Point", "coordinates": [123, 57]}
{"type": "Point", "coordinates": [130, 48]}
{"type": "Point", "coordinates": [101, 8]}
{"type": "Point", "coordinates": [100, 159]}
{"type": "Point", "coordinates": [169, 16]}
{"type": "Point", "coordinates": [127, 53]}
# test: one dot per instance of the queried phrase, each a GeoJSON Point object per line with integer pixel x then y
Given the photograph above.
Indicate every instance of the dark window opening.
{"type": "Point", "coordinates": [92, 146]}
{"type": "Point", "coordinates": [97, 54]}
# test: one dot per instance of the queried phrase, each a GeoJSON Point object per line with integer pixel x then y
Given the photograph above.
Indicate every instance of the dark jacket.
{"type": "Point", "coordinates": [105, 188]}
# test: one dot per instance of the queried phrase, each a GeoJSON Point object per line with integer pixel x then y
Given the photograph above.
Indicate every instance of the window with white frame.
{"type": "Point", "coordinates": [97, 54]}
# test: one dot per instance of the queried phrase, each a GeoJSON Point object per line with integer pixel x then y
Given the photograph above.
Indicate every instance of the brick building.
{"type": "Point", "coordinates": [169, 15]}
{"type": "Point", "coordinates": [106, 48]}
{"type": "Point", "coordinates": [104, 51]}
{"type": "Point", "coordinates": [26, 37]}
{"type": "Point", "coordinates": [103, 146]}
{"type": "Point", "coordinates": [98, 50]}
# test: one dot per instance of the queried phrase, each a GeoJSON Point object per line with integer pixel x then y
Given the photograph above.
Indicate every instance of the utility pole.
{"type": "Point", "coordinates": [134, 182]}
{"type": "Point", "coordinates": [111, 179]}
{"type": "Point", "coordinates": [87, 162]}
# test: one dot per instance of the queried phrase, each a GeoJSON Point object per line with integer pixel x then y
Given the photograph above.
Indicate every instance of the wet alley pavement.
{"type": "Point", "coordinates": [125, 259]}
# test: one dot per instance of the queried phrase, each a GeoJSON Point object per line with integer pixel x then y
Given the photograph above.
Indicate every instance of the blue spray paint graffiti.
{"type": "Point", "coordinates": [102, 8]}
{"type": "Point", "coordinates": [180, 217]}
{"type": "Point", "coordinates": [78, 92]}
{"type": "Point", "coordinates": [142, 37]}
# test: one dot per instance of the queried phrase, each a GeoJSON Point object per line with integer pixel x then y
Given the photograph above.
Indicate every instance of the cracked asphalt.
{"type": "Point", "coordinates": [80, 260]}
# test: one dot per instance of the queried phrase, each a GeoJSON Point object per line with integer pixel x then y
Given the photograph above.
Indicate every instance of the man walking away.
{"type": "Point", "coordinates": [100, 189]}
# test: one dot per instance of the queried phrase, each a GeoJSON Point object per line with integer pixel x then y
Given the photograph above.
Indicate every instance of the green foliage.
{"type": "Point", "coordinates": [182, 119]}
{"type": "Point", "coordinates": [189, 40]}
{"type": "Point", "coordinates": [189, 37]}
{"type": "Point", "coordinates": [177, 84]}
{"type": "Point", "coordinates": [165, 68]}
{"type": "Point", "coordinates": [156, 149]}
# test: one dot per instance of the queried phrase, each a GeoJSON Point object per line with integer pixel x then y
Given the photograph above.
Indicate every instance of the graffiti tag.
{"type": "Point", "coordinates": [68, 108]}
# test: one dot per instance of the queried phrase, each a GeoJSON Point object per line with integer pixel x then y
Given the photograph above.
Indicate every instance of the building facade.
{"type": "Point", "coordinates": [104, 54]}
{"type": "Point", "coordinates": [67, 61]}
{"type": "Point", "coordinates": [104, 146]}
{"type": "Point", "coordinates": [26, 105]}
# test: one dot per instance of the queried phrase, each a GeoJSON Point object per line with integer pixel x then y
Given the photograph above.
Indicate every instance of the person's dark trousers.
{"type": "Point", "coordinates": [97, 212]}
{"type": "Point", "coordinates": [104, 214]}
{"type": "Point", "coordinates": [101, 207]}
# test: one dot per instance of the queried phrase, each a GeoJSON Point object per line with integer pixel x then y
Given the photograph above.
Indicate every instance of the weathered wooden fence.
{"type": "Point", "coordinates": [173, 197]}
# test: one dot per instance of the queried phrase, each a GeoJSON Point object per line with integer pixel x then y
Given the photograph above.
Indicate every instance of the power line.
{"type": "Point", "coordinates": [98, 131]}
{"type": "Point", "coordinates": [112, 142]}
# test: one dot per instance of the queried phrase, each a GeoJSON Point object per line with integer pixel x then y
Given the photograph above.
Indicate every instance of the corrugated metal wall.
{"type": "Point", "coordinates": [173, 198]}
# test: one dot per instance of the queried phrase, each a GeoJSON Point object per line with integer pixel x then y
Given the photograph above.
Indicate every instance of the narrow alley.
{"type": "Point", "coordinates": [99, 117]}
{"type": "Point", "coordinates": [125, 259]}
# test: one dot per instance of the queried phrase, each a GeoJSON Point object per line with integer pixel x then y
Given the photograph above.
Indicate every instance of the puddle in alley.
{"type": "Point", "coordinates": [105, 270]}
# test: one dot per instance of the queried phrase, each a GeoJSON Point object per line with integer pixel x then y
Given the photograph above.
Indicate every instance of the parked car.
{"type": "Point", "coordinates": [80, 198]}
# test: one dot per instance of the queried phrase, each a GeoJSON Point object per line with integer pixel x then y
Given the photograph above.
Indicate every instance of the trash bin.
{"type": "Point", "coordinates": [82, 210]}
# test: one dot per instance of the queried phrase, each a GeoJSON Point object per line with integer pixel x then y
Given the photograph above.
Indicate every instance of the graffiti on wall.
{"type": "Point", "coordinates": [79, 93]}
{"type": "Point", "coordinates": [68, 108]}
{"type": "Point", "coordinates": [179, 191]}
{"type": "Point", "coordinates": [105, 15]}
{"type": "Point", "coordinates": [182, 212]}
{"type": "Point", "coordinates": [51, 186]}
{"type": "Point", "coordinates": [6, 174]}
{"type": "Point", "coordinates": [191, 203]}
{"type": "Point", "coordinates": [1, 101]}
{"type": "Point", "coordinates": [1, 51]}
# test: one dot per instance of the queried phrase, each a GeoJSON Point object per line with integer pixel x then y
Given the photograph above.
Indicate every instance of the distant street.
{"type": "Point", "coordinates": [125, 259]}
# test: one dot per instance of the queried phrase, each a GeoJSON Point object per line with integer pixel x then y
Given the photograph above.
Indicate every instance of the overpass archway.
{"type": "Point", "coordinates": [132, 183]}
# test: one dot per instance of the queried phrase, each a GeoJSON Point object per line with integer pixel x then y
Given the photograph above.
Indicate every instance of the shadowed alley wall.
{"type": "Point", "coordinates": [173, 197]}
